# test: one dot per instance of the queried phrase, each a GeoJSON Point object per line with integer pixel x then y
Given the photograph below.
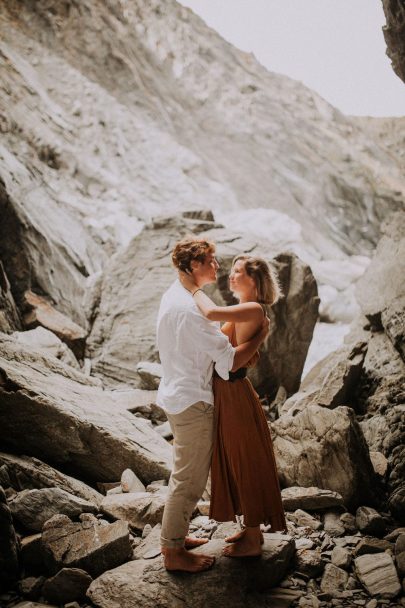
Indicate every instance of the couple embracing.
{"type": "Point", "coordinates": [214, 413]}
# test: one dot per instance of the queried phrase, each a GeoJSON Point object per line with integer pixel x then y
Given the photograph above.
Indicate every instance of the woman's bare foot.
{"type": "Point", "coordinates": [248, 545]}
{"type": "Point", "coordinates": [191, 543]}
{"type": "Point", "coordinates": [239, 535]}
{"type": "Point", "coordinates": [181, 559]}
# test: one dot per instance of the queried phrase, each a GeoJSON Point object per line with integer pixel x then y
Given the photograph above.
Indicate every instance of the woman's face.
{"type": "Point", "coordinates": [239, 281]}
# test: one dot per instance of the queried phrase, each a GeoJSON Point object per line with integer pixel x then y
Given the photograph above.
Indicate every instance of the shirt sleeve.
{"type": "Point", "coordinates": [210, 339]}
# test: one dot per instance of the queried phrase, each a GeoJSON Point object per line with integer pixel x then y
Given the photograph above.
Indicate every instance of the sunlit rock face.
{"type": "Point", "coordinates": [394, 34]}
{"type": "Point", "coordinates": [128, 109]}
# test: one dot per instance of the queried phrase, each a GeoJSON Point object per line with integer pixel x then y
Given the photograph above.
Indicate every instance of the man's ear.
{"type": "Point", "coordinates": [194, 264]}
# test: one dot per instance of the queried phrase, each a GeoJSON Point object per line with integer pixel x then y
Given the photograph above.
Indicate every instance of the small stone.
{"type": "Point", "coordinates": [309, 562]}
{"type": "Point", "coordinates": [341, 557]}
{"type": "Point", "coordinates": [147, 530]}
{"type": "Point", "coordinates": [332, 524]}
{"type": "Point", "coordinates": [349, 522]}
{"type": "Point", "coordinates": [372, 603]}
{"type": "Point", "coordinates": [309, 601]}
{"type": "Point", "coordinates": [72, 605]}
{"type": "Point", "coordinates": [302, 518]}
{"type": "Point", "coordinates": [369, 521]}
{"type": "Point", "coordinates": [130, 482]}
{"type": "Point", "coordinates": [203, 507]}
{"type": "Point", "coordinates": [334, 580]}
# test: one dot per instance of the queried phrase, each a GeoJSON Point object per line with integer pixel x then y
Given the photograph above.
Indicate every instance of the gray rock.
{"type": "Point", "coordinates": [332, 381]}
{"type": "Point", "coordinates": [369, 521]}
{"type": "Point", "coordinates": [150, 373]}
{"type": "Point", "coordinates": [130, 482]}
{"type": "Point", "coordinates": [302, 518]}
{"type": "Point", "coordinates": [31, 587]}
{"type": "Point", "coordinates": [40, 312]}
{"type": "Point", "coordinates": [382, 283]}
{"type": "Point", "coordinates": [47, 341]}
{"type": "Point", "coordinates": [149, 548]}
{"type": "Point", "coordinates": [27, 473]}
{"type": "Point", "coordinates": [93, 548]}
{"type": "Point", "coordinates": [147, 260]}
{"type": "Point", "coordinates": [10, 319]}
{"type": "Point", "coordinates": [309, 562]}
{"type": "Point", "coordinates": [332, 523]}
{"type": "Point", "coordinates": [102, 441]}
{"type": "Point", "coordinates": [229, 582]}
{"type": "Point", "coordinates": [334, 580]}
{"type": "Point", "coordinates": [309, 499]}
{"type": "Point", "coordinates": [318, 441]}
{"type": "Point", "coordinates": [341, 557]}
{"type": "Point", "coordinates": [68, 585]}
{"type": "Point", "coordinates": [349, 522]}
{"type": "Point", "coordinates": [400, 555]}
{"type": "Point", "coordinates": [9, 545]}
{"type": "Point", "coordinates": [378, 575]}
{"type": "Point", "coordinates": [394, 32]}
{"type": "Point", "coordinates": [32, 508]}
{"type": "Point", "coordinates": [137, 508]}
{"type": "Point", "coordinates": [369, 544]}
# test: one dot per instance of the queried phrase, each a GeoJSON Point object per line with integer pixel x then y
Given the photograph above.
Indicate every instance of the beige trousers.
{"type": "Point", "coordinates": [193, 440]}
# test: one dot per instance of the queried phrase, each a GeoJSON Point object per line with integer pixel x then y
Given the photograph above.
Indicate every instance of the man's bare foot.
{"type": "Point", "coordinates": [239, 535]}
{"type": "Point", "coordinates": [248, 545]}
{"type": "Point", "coordinates": [181, 559]}
{"type": "Point", "coordinates": [191, 543]}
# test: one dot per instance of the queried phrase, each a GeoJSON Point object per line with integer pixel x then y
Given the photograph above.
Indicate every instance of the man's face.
{"type": "Point", "coordinates": [205, 272]}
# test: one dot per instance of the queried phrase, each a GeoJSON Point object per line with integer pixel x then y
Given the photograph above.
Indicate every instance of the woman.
{"type": "Point", "coordinates": [244, 477]}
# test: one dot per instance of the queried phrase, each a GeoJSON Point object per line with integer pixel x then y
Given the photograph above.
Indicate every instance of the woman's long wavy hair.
{"type": "Point", "coordinates": [265, 278]}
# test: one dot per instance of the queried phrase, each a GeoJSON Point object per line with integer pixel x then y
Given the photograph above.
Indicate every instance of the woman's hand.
{"type": "Point", "coordinates": [187, 280]}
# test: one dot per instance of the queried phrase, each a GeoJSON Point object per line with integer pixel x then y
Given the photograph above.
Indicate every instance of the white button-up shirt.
{"type": "Point", "coordinates": [189, 345]}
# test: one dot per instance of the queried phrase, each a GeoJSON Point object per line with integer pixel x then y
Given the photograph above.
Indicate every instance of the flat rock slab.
{"type": "Point", "coordinates": [309, 499]}
{"type": "Point", "coordinates": [378, 575]}
{"type": "Point", "coordinates": [230, 582]}
{"type": "Point", "coordinates": [32, 508]}
{"type": "Point", "coordinates": [27, 473]}
{"type": "Point", "coordinates": [88, 545]}
{"type": "Point", "coordinates": [59, 415]}
{"type": "Point", "coordinates": [137, 508]}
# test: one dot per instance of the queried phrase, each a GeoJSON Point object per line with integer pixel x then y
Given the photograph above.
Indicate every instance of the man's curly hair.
{"type": "Point", "coordinates": [189, 249]}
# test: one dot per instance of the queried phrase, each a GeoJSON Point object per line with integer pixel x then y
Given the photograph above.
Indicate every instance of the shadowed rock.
{"type": "Point", "coordinates": [60, 415]}
{"type": "Point", "coordinates": [325, 448]}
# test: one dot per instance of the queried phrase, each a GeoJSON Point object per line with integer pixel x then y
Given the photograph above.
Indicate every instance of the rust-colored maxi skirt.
{"type": "Point", "coordinates": [244, 477]}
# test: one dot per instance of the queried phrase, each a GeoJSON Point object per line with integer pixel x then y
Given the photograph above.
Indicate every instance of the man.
{"type": "Point", "coordinates": [189, 346]}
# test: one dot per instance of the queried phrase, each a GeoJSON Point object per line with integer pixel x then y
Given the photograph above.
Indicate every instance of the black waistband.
{"type": "Point", "coordinates": [238, 375]}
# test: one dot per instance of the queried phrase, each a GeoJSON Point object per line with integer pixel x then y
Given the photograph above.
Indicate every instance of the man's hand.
{"type": "Point", "coordinates": [187, 280]}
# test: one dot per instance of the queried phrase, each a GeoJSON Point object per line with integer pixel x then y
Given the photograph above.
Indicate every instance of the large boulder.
{"type": "Point", "coordinates": [28, 473]}
{"type": "Point", "coordinates": [137, 508]}
{"type": "Point", "coordinates": [43, 246]}
{"type": "Point", "coordinates": [62, 416]}
{"type": "Point", "coordinates": [230, 582]}
{"type": "Point", "coordinates": [32, 508]}
{"type": "Point", "coordinates": [324, 448]}
{"type": "Point", "coordinates": [91, 545]}
{"type": "Point", "coordinates": [9, 546]}
{"type": "Point", "coordinates": [381, 290]}
{"type": "Point", "coordinates": [332, 381]}
{"type": "Point", "coordinates": [124, 330]}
